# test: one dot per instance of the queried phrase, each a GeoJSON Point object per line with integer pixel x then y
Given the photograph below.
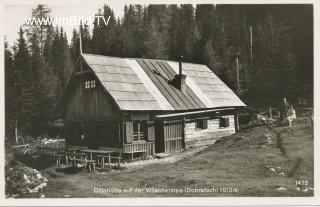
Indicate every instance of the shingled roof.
{"type": "Point", "coordinates": [144, 84]}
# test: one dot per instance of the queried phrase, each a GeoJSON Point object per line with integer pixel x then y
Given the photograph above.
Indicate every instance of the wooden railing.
{"type": "Point", "coordinates": [139, 147]}
{"type": "Point", "coordinates": [138, 136]}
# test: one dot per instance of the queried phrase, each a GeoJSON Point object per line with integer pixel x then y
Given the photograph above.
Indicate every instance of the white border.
{"type": "Point", "coordinates": [190, 201]}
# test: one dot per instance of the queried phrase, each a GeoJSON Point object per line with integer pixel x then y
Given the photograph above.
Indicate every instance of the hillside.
{"type": "Point", "coordinates": [256, 162]}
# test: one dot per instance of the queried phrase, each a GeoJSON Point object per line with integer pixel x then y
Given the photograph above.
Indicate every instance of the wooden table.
{"type": "Point", "coordinates": [72, 149]}
{"type": "Point", "coordinates": [91, 151]}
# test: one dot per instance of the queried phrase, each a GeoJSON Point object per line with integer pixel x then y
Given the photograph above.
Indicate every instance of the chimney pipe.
{"type": "Point", "coordinates": [179, 80]}
{"type": "Point", "coordinates": [180, 65]}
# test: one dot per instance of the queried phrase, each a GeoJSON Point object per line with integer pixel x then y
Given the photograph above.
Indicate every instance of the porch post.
{"type": "Point", "coordinates": [236, 120]}
{"type": "Point", "coordinates": [183, 133]}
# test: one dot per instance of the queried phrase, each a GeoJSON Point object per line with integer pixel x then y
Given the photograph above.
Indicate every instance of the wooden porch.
{"type": "Point", "coordinates": [142, 146]}
{"type": "Point", "coordinates": [135, 147]}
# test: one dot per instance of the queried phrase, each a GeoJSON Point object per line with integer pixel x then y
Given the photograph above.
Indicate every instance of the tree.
{"type": "Point", "coordinates": [157, 26]}
{"type": "Point", "coordinates": [85, 37]}
{"type": "Point", "coordinates": [36, 100]}
{"type": "Point", "coordinates": [104, 37]}
{"type": "Point", "coordinates": [41, 13]}
{"type": "Point", "coordinates": [24, 88]}
{"type": "Point", "coordinates": [10, 94]}
{"type": "Point", "coordinates": [186, 31]}
{"type": "Point", "coordinates": [75, 45]}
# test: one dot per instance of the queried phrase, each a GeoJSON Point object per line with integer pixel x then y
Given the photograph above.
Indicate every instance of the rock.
{"type": "Point", "coordinates": [272, 169]}
{"type": "Point", "coordinates": [297, 189]}
{"type": "Point", "coordinates": [269, 141]}
{"type": "Point", "coordinates": [38, 175]}
{"type": "Point", "coordinates": [26, 179]}
{"type": "Point", "coordinates": [267, 138]}
{"type": "Point", "coordinates": [282, 174]}
{"type": "Point", "coordinates": [281, 189]}
{"type": "Point", "coordinates": [39, 187]}
{"type": "Point", "coordinates": [15, 195]}
{"type": "Point", "coordinates": [67, 196]}
{"type": "Point", "coordinates": [278, 168]}
{"type": "Point", "coordinates": [310, 188]}
{"type": "Point", "coordinates": [42, 196]}
{"type": "Point", "coordinates": [305, 190]}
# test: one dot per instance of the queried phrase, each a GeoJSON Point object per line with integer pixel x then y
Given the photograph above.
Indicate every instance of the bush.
{"type": "Point", "coordinates": [20, 179]}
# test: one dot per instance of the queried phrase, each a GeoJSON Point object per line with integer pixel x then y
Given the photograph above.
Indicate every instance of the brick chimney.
{"type": "Point", "coordinates": [179, 80]}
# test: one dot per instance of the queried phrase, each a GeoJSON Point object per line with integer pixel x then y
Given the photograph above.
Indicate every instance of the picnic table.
{"type": "Point", "coordinates": [101, 153]}
{"type": "Point", "coordinates": [70, 152]}
{"type": "Point", "coordinates": [72, 149]}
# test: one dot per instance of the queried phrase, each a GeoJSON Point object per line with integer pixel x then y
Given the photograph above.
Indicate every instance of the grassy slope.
{"type": "Point", "coordinates": [232, 162]}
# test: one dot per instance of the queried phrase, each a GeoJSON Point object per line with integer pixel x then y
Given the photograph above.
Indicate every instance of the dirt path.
{"type": "Point", "coordinates": [280, 145]}
{"type": "Point", "coordinates": [166, 160]}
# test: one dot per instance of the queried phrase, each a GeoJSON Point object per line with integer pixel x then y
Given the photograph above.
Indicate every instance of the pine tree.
{"type": "Point", "coordinates": [23, 68]}
{"type": "Point", "coordinates": [186, 31]}
{"type": "Point", "coordinates": [36, 87]}
{"type": "Point", "coordinates": [10, 94]}
{"type": "Point", "coordinates": [134, 29]}
{"type": "Point", "coordinates": [41, 13]}
{"type": "Point", "coordinates": [156, 39]}
{"type": "Point", "coordinates": [75, 45]}
{"type": "Point", "coordinates": [173, 32]}
{"type": "Point", "coordinates": [85, 38]}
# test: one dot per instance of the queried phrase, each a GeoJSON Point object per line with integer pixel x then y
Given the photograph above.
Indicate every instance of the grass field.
{"type": "Point", "coordinates": [243, 164]}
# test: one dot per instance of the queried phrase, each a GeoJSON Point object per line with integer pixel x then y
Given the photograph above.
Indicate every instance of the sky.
{"type": "Point", "coordinates": [16, 15]}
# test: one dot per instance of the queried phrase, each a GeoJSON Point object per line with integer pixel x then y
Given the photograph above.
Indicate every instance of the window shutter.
{"type": "Point", "coordinates": [205, 124]}
{"type": "Point", "coordinates": [129, 132]}
{"type": "Point", "coordinates": [151, 135]}
{"type": "Point", "coordinates": [223, 122]}
{"type": "Point", "coordinates": [226, 121]}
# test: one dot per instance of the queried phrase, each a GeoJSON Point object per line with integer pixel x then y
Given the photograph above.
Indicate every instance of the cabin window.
{"type": "Point", "coordinates": [139, 130]}
{"type": "Point", "coordinates": [223, 122]}
{"type": "Point", "coordinates": [201, 124]}
{"type": "Point", "coordinates": [90, 84]}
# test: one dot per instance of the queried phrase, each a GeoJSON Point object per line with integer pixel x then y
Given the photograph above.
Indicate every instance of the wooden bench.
{"type": "Point", "coordinates": [82, 158]}
{"type": "Point", "coordinates": [117, 159]}
{"type": "Point", "coordinates": [45, 151]}
{"type": "Point", "coordinates": [58, 157]}
{"type": "Point", "coordinates": [101, 160]}
{"type": "Point", "coordinates": [67, 155]}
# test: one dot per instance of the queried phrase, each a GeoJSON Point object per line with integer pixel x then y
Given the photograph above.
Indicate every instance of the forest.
{"type": "Point", "coordinates": [273, 45]}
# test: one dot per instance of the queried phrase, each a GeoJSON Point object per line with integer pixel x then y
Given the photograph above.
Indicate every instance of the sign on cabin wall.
{"type": "Point", "coordinates": [140, 116]}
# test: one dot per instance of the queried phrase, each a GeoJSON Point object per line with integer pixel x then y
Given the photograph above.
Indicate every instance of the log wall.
{"type": "Point", "coordinates": [213, 131]}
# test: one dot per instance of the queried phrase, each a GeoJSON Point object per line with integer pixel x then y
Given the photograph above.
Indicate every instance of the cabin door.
{"type": "Point", "coordinates": [92, 141]}
{"type": "Point", "coordinates": [159, 137]}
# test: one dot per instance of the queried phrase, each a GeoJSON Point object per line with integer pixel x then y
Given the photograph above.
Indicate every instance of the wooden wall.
{"type": "Point", "coordinates": [213, 131]}
{"type": "Point", "coordinates": [173, 135]}
{"type": "Point", "coordinates": [93, 113]}
{"type": "Point", "coordinates": [89, 104]}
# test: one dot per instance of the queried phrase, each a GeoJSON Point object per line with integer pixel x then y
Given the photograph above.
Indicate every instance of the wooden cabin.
{"type": "Point", "coordinates": [138, 105]}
